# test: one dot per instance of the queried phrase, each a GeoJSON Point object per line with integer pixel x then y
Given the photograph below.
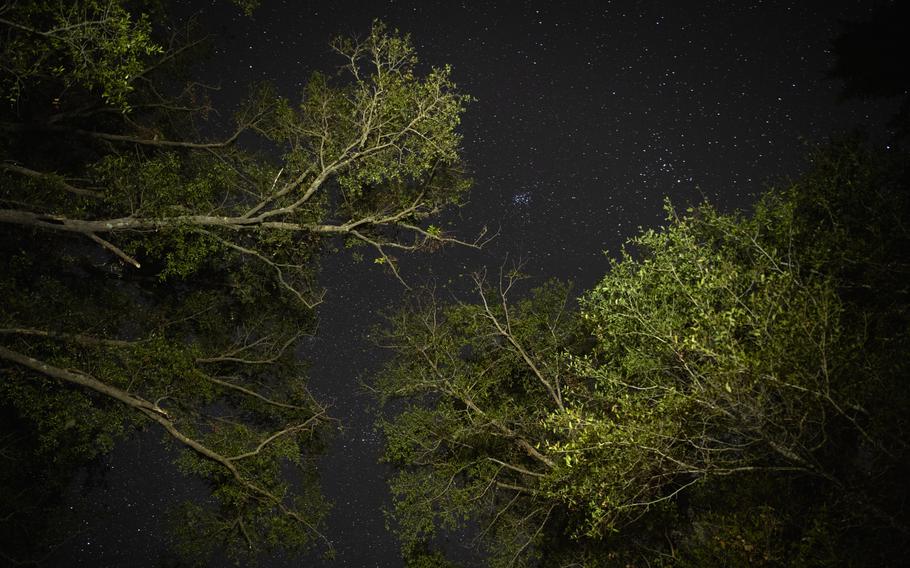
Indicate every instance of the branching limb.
{"type": "Point", "coordinates": [526, 446]}
{"type": "Point", "coordinates": [309, 423]}
{"type": "Point", "coordinates": [254, 394]}
{"type": "Point", "coordinates": [515, 467]}
{"type": "Point", "coordinates": [161, 416]}
{"type": "Point", "coordinates": [87, 381]}
{"type": "Point", "coordinates": [389, 261]}
{"type": "Point", "coordinates": [478, 243]}
{"type": "Point", "coordinates": [230, 357]}
{"type": "Point", "coordinates": [127, 139]}
{"type": "Point", "coordinates": [510, 337]}
{"type": "Point", "coordinates": [279, 270]}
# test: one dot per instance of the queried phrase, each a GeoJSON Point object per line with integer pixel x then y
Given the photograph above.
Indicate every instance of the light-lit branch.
{"type": "Point", "coordinates": [308, 424]}
{"type": "Point", "coordinates": [114, 249]}
{"type": "Point", "coordinates": [239, 388]}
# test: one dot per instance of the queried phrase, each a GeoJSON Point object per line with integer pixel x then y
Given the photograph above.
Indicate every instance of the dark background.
{"type": "Point", "coordinates": [588, 114]}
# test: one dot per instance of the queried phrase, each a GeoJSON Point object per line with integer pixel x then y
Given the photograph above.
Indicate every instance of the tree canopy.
{"type": "Point", "coordinates": [732, 392]}
{"type": "Point", "coordinates": [156, 274]}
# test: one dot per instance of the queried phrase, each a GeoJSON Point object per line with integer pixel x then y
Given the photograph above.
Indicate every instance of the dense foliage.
{"type": "Point", "coordinates": [153, 276]}
{"type": "Point", "coordinates": [733, 392]}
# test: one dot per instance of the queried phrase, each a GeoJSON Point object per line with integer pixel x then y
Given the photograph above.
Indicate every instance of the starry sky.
{"type": "Point", "coordinates": [587, 115]}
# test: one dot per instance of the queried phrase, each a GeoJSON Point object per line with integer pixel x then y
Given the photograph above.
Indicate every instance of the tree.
{"type": "Point", "coordinates": [482, 379]}
{"type": "Point", "coordinates": [733, 391]}
{"type": "Point", "coordinates": [153, 276]}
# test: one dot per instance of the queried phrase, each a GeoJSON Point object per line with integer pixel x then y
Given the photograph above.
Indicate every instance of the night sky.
{"type": "Point", "coordinates": [587, 115]}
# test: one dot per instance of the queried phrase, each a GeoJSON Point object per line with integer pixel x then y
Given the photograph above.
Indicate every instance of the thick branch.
{"type": "Point", "coordinates": [86, 227]}
{"type": "Point", "coordinates": [114, 249]}
{"type": "Point", "coordinates": [51, 177]}
{"type": "Point", "coordinates": [83, 380]}
{"type": "Point", "coordinates": [74, 337]}
{"type": "Point", "coordinates": [122, 138]}
{"type": "Point", "coordinates": [161, 417]}
{"type": "Point", "coordinates": [524, 444]}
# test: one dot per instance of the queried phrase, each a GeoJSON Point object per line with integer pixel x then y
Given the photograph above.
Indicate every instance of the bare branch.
{"type": "Point", "coordinates": [308, 423]}
{"type": "Point", "coordinates": [505, 333]}
{"type": "Point", "coordinates": [230, 358]}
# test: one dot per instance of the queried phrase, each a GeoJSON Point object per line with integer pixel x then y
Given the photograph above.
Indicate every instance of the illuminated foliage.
{"type": "Point", "coordinates": [732, 391]}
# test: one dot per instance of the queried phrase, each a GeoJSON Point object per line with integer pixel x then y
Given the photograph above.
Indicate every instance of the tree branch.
{"type": "Point", "coordinates": [53, 178]}
{"type": "Point", "coordinates": [114, 249]}
{"type": "Point", "coordinates": [84, 380]}
{"type": "Point", "coordinates": [160, 416]}
{"type": "Point", "coordinates": [76, 338]}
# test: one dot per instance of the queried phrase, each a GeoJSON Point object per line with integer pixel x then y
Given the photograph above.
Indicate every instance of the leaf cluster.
{"type": "Point", "coordinates": [92, 44]}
